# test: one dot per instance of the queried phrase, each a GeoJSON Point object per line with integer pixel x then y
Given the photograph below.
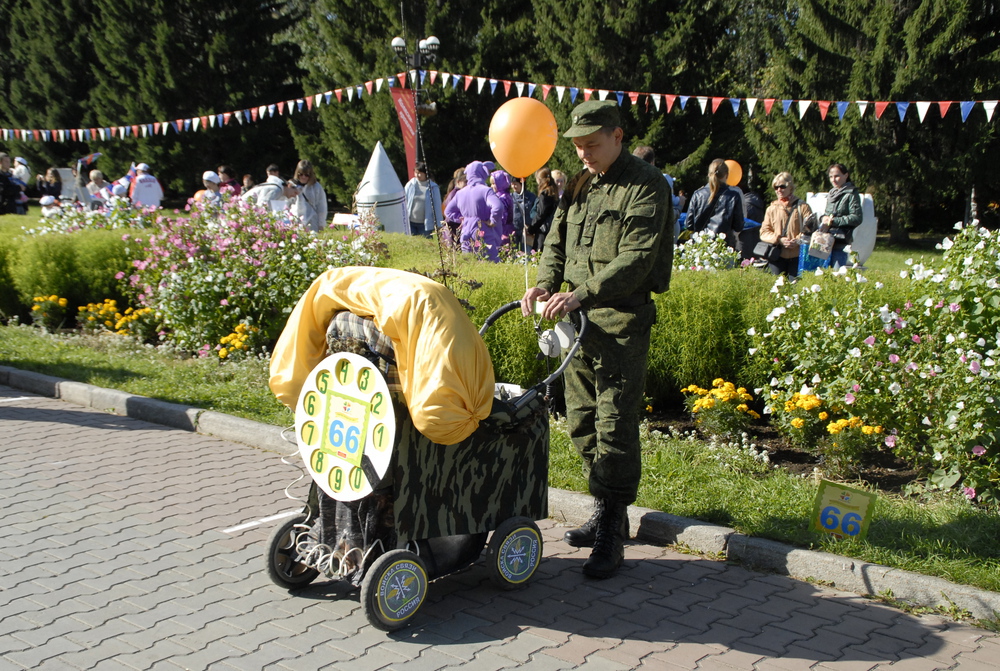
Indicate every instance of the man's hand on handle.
{"type": "Point", "coordinates": [556, 305]}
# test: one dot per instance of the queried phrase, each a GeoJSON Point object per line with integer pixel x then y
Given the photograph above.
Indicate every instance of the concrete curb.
{"type": "Point", "coordinates": [571, 508]}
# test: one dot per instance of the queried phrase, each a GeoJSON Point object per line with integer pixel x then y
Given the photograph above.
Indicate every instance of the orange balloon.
{"type": "Point", "coordinates": [735, 172]}
{"type": "Point", "coordinates": [523, 135]}
{"type": "Point", "coordinates": [199, 195]}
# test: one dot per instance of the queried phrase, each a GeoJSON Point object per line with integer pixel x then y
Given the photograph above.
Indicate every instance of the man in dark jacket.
{"type": "Point", "coordinates": [612, 244]}
{"type": "Point", "coordinates": [9, 191]}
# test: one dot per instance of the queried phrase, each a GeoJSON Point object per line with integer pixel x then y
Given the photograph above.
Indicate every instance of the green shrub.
{"type": "Point", "coordinates": [10, 301]}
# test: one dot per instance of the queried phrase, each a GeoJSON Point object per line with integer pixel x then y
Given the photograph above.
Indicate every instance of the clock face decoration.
{"type": "Point", "coordinates": [345, 426]}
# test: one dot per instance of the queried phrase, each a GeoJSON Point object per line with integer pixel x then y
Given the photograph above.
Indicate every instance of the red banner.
{"type": "Point", "coordinates": [406, 108]}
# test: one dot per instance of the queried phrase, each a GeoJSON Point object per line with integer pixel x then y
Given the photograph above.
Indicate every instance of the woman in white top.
{"type": "Point", "coordinates": [310, 202]}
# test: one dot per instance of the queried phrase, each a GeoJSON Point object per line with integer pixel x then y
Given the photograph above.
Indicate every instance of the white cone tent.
{"type": "Point", "coordinates": [381, 191]}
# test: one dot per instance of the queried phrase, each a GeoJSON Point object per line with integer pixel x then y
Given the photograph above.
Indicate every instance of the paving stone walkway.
{"type": "Point", "coordinates": [129, 545]}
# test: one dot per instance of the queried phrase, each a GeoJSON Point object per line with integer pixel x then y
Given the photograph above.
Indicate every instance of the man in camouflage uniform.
{"type": "Point", "coordinates": [611, 244]}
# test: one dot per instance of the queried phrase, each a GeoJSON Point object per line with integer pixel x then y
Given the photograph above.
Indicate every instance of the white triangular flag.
{"type": "Point", "coordinates": [703, 102]}
{"type": "Point", "coordinates": [804, 107]}
{"type": "Point", "coordinates": [482, 82]}
{"type": "Point", "coordinates": [520, 88]}
{"type": "Point", "coordinates": [922, 107]}
{"type": "Point", "coordinates": [350, 93]}
{"type": "Point", "coordinates": [862, 106]}
{"type": "Point", "coordinates": [194, 123]}
{"type": "Point", "coordinates": [602, 94]}
{"type": "Point", "coordinates": [656, 100]}
{"type": "Point", "coordinates": [445, 78]}
{"type": "Point", "coordinates": [378, 84]}
{"type": "Point", "coordinates": [413, 76]}
{"type": "Point", "coordinates": [751, 103]}
{"type": "Point", "coordinates": [989, 106]}
{"type": "Point", "coordinates": [560, 90]}
{"type": "Point", "coordinates": [319, 99]}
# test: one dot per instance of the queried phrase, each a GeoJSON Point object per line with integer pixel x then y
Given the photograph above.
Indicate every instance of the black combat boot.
{"type": "Point", "coordinates": [609, 541]}
{"type": "Point", "coordinates": [584, 536]}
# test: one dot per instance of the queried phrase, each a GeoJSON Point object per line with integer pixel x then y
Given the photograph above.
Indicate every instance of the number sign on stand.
{"type": "Point", "coordinates": [843, 512]}
{"type": "Point", "coordinates": [345, 426]}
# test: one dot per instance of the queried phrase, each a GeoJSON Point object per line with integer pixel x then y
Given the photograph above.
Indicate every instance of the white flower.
{"type": "Point", "coordinates": [815, 288]}
{"type": "Point", "coordinates": [752, 351]}
{"type": "Point", "coordinates": [895, 388]}
{"type": "Point", "coordinates": [927, 421]}
{"type": "Point", "coordinates": [796, 326]}
{"type": "Point", "coordinates": [947, 243]}
{"type": "Point", "coordinates": [805, 390]}
{"type": "Point", "coordinates": [854, 352]}
{"type": "Point", "coordinates": [751, 331]}
{"type": "Point", "coordinates": [816, 379]}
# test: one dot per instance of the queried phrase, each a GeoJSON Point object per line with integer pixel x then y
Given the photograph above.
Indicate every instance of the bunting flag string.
{"type": "Point", "coordinates": [640, 99]}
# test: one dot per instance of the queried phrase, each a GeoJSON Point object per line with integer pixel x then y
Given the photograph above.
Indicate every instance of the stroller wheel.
{"type": "Point", "coordinates": [393, 590]}
{"type": "Point", "coordinates": [514, 552]}
{"type": "Point", "coordinates": [282, 568]}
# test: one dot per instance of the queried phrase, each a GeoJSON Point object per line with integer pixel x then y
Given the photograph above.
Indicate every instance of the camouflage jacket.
{"type": "Point", "coordinates": [606, 237]}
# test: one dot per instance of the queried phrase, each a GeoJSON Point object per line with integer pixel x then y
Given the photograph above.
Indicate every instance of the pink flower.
{"type": "Point", "coordinates": [870, 340]}
{"type": "Point", "coordinates": [953, 307]}
{"type": "Point", "coordinates": [224, 302]}
{"type": "Point", "coordinates": [940, 305]}
{"type": "Point", "coordinates": [908, 305]}
{"type": "Point", "coordinates": [970, 492]}
{"type": "Point", "coordinates": [974, 366]}
{"type": "Point", "coordinates": [911, 366]}
{"type": "Point", "coordinates": [893, 358]}
{"type": "Point", "coordinates": [119, 276]}
{"type": "Point", "coordinates": [979, 450]}
{"type": "Point", "coordinates": [890, 441]}
{"type": "Point", "coordinates": [849, 398]}
{"type": "Point", "coordinates": [916, 339]}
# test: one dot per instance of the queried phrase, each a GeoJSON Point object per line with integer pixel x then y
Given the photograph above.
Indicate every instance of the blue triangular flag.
{"type": "Point", "coordinates": [531, 89]}
{"type": "Point", "coordinates": [966, 106]}
{"type": "Point", "coordinates": [572, 94]}
{"type": "Point", "coordinates": [298, 105]}
{"type": "Point", "coordinates": [359, 89]}
{"type": "Point", "coordinates": [392, 82]}
{"type": "Point", "coordinates": [736, 105]}
{"type": "Point", "coordinates": [684, 101]}
{"type": "Point", "coordinates": [901, 108]}
{"type": "Point", "coordinates": [493, 86]}
{"type": "Point", "coordinates": [177, 128]}
{"type": "Point", "coordinates": [187, 125]}
{"type": "Point", "coordinates": [786, 104]}
{"type": "Point", "coordinates": [455, 79]}
{"type": "Point", "coordinates": [621, 97]}
{"type": "Point", "coordinates": [842, 106]}
{"type": "Point", "coordinates": [423, 76]}
{"type": "Point", "coordinates": [327, 96]}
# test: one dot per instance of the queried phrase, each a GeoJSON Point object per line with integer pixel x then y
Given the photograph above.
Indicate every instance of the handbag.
{"type": "Point", "coordinates": [767, 251]}
{"type": "Point", "coordinates": [820, 245]}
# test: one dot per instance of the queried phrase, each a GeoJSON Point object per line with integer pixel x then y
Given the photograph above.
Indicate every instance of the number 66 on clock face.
{"type": "Point", "coordinates": [345, 426]}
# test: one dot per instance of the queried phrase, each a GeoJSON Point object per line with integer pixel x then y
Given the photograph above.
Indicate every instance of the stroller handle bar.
{"type": "Point", "coordinates": [531, 393]}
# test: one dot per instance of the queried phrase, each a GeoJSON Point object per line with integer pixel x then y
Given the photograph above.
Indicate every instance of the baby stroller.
{"type": "Point", "coordinates": [389, 510]}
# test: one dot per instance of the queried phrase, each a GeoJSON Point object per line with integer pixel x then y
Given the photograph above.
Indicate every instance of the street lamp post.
{"type": "Point", "coordinates": [425, 54]}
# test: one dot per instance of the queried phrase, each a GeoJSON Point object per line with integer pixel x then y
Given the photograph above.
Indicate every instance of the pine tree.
{"type": "Point", "coordinates": [884, 50]}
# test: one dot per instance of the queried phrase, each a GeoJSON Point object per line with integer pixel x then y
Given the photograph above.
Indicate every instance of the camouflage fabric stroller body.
{"type": "Point", "coordinates": [433, 510]}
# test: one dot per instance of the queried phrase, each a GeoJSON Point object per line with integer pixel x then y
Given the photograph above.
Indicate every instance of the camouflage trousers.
{"type": "Point", "coordinates": [605, 384]}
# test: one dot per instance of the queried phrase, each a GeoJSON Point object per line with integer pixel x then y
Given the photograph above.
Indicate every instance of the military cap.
{"type": "Point", "coordinates": [592, 116]}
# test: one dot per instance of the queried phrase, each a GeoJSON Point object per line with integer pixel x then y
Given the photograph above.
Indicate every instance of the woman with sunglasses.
{"type": "Point", "coordinates": [784, 221]}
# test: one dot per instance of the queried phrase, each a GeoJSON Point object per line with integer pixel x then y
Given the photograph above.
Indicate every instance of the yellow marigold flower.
{"type": "Point", "coordinates": [798, 422]}
{"type": "Point", "coordinates": [63, 302]}
{"type": "Point", "coordinates": [718, 382]}
{"type": "Point", "coordinates": [53, 298]}
{"type": "Point", "coordinates": [36, 308]}
{"type": "Point", "coordinates": [709, 402]}
{"type": "Point", "coordinates": [742, 407]}
{"type": "Point", "coordinates": [823, 416]}
{"type": "Point", "coordinates": [223, 353]}
{"type": "Point", "coordinates": [878, 429]}
{"type": "Point", "coordinates": [649, 408]}
{"type": "Point", "coordinates": [868, 430]}
{"type": "Point", "coordinates": [833, 428]}
{"type": "Point", "coordinates": [755, 415]}
{"type": "Point", "coordinates": [108, 323]}
{"type": "Point", "coordinates": [91, 318]}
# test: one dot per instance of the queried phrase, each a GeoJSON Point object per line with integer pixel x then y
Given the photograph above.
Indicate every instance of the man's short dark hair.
{"type": "Point", "coordinates": [646, 153]}
{"type": "Point", "coordinates": [273, 168]}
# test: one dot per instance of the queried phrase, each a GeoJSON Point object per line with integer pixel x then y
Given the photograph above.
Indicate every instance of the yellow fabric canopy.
{"type": "Point", "coordinates": [444, 366]}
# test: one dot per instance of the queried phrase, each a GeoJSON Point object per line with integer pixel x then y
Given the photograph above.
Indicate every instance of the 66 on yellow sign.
{"type": "Point", "coordinates": [842, 511]}
{"type": "Point", "coordinates": [345, 426]}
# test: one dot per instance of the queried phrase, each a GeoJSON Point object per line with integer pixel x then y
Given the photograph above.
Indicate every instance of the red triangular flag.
{"type": "Point", "coordinates": [340, 94]}
{"type": "Point", "coordinates": [880, 108]}
{"type": "Point", "coordinates": [368, 86]}
{"type": "Point", "coordinates": [468, 81]}
{"type": "Point", "coordinates": [634, 97]}
{"type": "Point", "coordinates": [36, 134]}
{"type": "Point", "coordinates": [944, 106]}
{"type": "Point", "coordinates": [281, 107]}
{"type": "Point", "coordinates": [253, 113]}
{"type": "Point", "coordinates": [309, 102]}
{"type": "Point", "coordinates": [506, 87]}
{"type": "Point", "coordinates": [587, 93]}
{"type": "Point", "coordinates": [156, 128]}
{"type": "Point", "coordinates": [72, 134]}
{"type": "Point", "coordinates": [545, 90]}
{"type": "Point", "coordinates": [402, 79]}
{"type": "Point", "coordinates": [768, 104]}
{"type": "Point", "coordinates": [670, 102]}
{"type": "Point", "coordinates": [226, 116]}
{"type": "Point", "coordinates": [824, 107]}
{"type": "Point", "coordinates": [715, 103]}
{"type": "Point", "coordinates": [434, 75]}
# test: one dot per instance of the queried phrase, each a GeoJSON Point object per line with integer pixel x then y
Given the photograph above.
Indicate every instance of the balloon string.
{"type": "Point", "coordinates": [527, 252]}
